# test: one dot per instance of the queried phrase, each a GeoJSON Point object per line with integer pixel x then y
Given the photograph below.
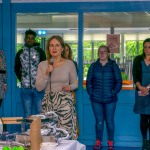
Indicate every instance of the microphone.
{"type": "Point", "coordinates": [51, 61]}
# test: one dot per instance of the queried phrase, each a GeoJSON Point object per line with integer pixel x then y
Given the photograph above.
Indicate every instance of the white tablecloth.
{"type": "Point", "coordinates": [67, 145]}
{"type": "Point", "coordinates": [70, 145]}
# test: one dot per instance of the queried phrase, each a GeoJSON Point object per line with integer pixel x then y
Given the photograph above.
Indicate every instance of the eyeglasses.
{"type": "Point", "coordinates": [103, 52]}
{"type": "Point", "coordinates": [54, 46]}
{"type": "Point", "coordinates": [146, 47]}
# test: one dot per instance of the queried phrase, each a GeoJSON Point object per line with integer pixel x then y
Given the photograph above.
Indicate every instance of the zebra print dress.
{"type": "Point", "coordinates": [62, 103]}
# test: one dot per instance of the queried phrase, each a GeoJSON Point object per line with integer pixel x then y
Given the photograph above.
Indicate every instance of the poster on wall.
{"type": "Point", "coordinates": [113, 42]}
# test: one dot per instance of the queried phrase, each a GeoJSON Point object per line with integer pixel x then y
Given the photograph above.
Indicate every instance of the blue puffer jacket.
{"type": "Point", "coordinates": [104, 82]}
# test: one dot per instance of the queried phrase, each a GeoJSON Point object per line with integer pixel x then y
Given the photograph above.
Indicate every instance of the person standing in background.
{"type": "Point", "coordinates": [68, 55]}
{"type": "Point", "coordinates": [103, 83]}
{"type": "Point", "coordinates": [26, 64]}
{"type": "Point", "coordinates": [58, 77]}
{"type": "Point", "coordinates": [3, 80]}
{"type": "Point", "coordinates": [141, 78]}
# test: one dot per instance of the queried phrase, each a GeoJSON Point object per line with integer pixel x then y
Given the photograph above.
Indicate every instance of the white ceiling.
{"type": "Point", "coordinates": [137, 22]}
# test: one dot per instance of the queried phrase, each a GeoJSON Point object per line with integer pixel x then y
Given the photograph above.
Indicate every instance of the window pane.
{"type": "Point", "coordinates": [47, 25]}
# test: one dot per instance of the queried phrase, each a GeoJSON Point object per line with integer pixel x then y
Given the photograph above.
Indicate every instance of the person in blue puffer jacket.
{"type": "Point", "coordinates": [103, 83]}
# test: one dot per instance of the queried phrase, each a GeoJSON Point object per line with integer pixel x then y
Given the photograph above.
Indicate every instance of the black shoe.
{"type": "Point", "coordinates": [148, 144]}
{"type": "Point", "coordinates": [145, 145]}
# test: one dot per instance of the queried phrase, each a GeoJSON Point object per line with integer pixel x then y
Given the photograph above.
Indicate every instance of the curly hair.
{"type": "Point", "coordinates": [30, 32]}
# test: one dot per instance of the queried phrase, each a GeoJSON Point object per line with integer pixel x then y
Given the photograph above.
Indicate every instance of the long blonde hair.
{"type": "Point", "coordinates": [70, 51]}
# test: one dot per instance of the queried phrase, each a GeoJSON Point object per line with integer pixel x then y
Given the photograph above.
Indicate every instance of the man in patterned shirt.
{"type": "Point", "coordinates": [26, 63]}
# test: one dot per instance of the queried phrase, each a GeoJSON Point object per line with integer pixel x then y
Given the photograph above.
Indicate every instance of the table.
{"type": "Point", "coordinates": [70, 145]}
{"type": "Point", "coordinates": [67, 145]}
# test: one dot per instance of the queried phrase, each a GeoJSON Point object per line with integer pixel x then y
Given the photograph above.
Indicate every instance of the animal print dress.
{"type": "Point", "coordinates": [62, 103]}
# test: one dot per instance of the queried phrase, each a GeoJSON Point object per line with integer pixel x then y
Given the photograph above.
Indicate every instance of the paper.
{"type": "Point", "coordinates": [35, 134]}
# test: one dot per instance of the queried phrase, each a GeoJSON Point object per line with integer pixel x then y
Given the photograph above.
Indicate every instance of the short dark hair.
{"type": "Point", "coordinates": [104, 46]}
{"type": "Point", "coordinates": [30, 32]}
{"type": "Point", "coordinates": [146, 40]}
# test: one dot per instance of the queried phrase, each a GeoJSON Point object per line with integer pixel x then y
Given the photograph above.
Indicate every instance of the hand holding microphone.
{"type": "Point", "coordinates": [50, 67]}
{"type": "Point", "coordinates": [52, 61]}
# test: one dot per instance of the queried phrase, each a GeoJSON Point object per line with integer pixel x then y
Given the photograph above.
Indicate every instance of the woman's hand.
{"type": "Point", "coordinates": [144, 90]}
{"type": "Point", "coordinates": [66, 88]}
{"type": "Point", "coordinates": [49, 69]}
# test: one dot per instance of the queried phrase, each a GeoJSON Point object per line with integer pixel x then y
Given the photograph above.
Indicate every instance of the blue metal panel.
{"type": "Point", "coordinates": [1, 109]}
{"type": "Point", "coordinates": [6, 36]}
{"type": "Point", "coordinates": [83, 7]}
{"type": "Point", "coordinates": [80, 75]}
{"type": "Point", "coordinates": [1, 26]}
{"type": "Point", "coordinates": [126, 121]}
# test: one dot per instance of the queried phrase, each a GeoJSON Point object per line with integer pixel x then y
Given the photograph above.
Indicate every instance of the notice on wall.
{"type": "Point", "coordinates": [113, 42]}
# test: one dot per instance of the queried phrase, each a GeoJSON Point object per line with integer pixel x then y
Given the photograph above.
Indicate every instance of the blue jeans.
{"type": "Point", "coordinates": [104, 112]}
{"type": "Point", "coordinates": [32, 101]}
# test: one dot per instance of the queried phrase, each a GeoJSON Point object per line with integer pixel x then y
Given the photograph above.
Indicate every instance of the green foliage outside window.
{"type": "Point", "coordinates": [131, 48]}
{"type": "Point", "coordinates": [90, 49]}
{"type": "Point", "coordinates": [19, 46]}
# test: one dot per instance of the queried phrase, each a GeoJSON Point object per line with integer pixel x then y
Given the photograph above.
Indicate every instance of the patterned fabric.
{"type": "Point", "coordinates": [2, 60]}
{"type": "Point", "coordinates": [62, 104]}
{"type": "Point", "coordinates": [26, 64]}
{"type": "Point", "coordinates": [30, 59]}
{"type": "Point", "coordinates": [3, 75]}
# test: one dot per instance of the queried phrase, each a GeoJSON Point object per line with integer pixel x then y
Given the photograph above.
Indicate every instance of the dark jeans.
{"type": "Point", "coordinates": [4, 125]}
{"type": "Point", "coordinates": [1, 100]}
{"type": "Point", "coordinates": [104, 112]}
{"type": "Point", "coordinates": [144, 125]}
{"type": "Point", "coordinates": [32, 100]}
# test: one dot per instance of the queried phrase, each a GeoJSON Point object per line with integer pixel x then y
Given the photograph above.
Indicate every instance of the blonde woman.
{"type": "Point", "coordinates": [58, 77]}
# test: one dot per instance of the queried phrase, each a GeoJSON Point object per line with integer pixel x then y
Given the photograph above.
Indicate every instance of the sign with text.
{"type": "Point", "coordinates": [113, 42]}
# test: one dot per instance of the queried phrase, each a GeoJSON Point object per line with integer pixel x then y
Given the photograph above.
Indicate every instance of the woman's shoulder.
{"type": "Point", "coordinates": [69, 62]}
{"type": "Point", "coordinates": [139, 57]}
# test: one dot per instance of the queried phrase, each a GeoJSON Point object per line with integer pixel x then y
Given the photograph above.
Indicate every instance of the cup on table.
{"type": "Point", "coordinates": [48, 146]}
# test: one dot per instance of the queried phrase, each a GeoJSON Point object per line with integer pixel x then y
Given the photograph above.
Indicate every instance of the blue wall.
{"type": "Point", "coordinates": [127, 123]}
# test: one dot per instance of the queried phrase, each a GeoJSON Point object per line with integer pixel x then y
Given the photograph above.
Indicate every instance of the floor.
{"type": "Point", "coordinates": [116, 148]}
